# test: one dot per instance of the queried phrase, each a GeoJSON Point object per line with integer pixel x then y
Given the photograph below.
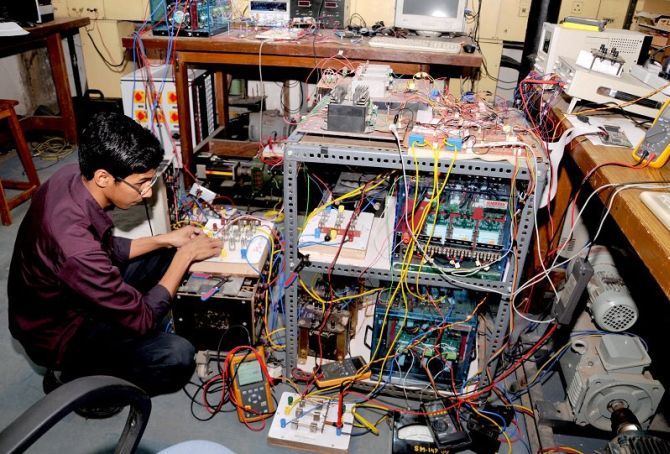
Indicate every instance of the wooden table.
{"type": "Point", "coordinates": [239, 48]}
{"type": "Point", "coordinates": [646, 234]}
{"type": "Point", "coordinates": [50, 34]}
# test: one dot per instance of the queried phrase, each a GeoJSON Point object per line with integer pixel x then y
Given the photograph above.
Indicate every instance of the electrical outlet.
{"type": "Point", "coordinates": [577, 7]}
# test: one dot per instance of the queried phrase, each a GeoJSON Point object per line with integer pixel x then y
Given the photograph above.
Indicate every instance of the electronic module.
{"type": "Point", "coordinates": [312, 424]}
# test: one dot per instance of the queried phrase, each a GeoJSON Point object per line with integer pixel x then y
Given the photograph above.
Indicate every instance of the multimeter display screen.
{"type": "Point", "coordinates": [249, 372]}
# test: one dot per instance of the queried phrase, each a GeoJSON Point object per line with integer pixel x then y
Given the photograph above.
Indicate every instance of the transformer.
{"type": "Point", "coordinates": [225, 320]}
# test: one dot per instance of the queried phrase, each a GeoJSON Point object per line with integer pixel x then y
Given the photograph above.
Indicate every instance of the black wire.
{"type": "Point", "coordinates": [302, 100]}
{"type": "Point", "coordinates": [218, 346]}
{"type": "Point", "coordinates": [146, 210]}
{"type": "Point", "coordinates": [618, 111]}
{"type": "Point", "coordinates": [572, 200]}
{"type": "Point", "coordinates": [360, 18]}
{"type": "Point", "coordinates": [104, 59]}
{"type": "Point", "coordinates": [194, 401]}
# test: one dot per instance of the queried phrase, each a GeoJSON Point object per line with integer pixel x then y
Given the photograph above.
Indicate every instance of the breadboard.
{"type": "Point", "coordinates": [239, 240]}
{"type": "Point", "coordinates": [332, 224]}
{"type": "Point", "coordinates": [310, 425]}
{"type": "Point", "coordinates": [378, 253]}
{"type": "Point", "coordinates": [659, 204]}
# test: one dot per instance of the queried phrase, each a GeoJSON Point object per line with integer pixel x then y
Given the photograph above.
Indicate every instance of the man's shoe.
{"type": "Point", "coordinates": [98, 412]}
{"type": "Point", "coordinates": [51, 381]}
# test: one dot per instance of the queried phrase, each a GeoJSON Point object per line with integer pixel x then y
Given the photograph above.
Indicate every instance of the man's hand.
{"type": "Point", "coordinates": [201, 247]}
{"type": "Point", "coordinates": [180, 237]}
{"type": "Point", "coordinates": [195, 247]}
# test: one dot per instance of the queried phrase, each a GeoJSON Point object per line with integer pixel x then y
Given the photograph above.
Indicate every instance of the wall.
{"type": "Point", "coordinates": [109, 24]}
{"type": "Point", "coordinates": [27, 78]}
{"type": "Point", "coordinates": [658, 6]}
{"type": "Point", "coordinates": [107, 33]}
{"type": "Point", "coordinates": [613, 10]}
{"type": "Point", "coordinates": [107, 36]}
{"type": "Point", "coordinates": [14, 83]}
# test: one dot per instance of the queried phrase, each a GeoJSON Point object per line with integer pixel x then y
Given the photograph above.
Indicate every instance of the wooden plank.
{"type": "Point", "coordinates": [62, 84]}
{"type": "Point", "coordinates": [646, 234]}
{"type": "Point", "coordinates": [283, 61]}
{"type": "Point", "coordinates": [328, 45]}
{"type": "Point", "coordinates": [181, 86]}
{"type": "Point", "coordinates": [14, 44]}
{"type": "Point", "coordinates": [236, 148]}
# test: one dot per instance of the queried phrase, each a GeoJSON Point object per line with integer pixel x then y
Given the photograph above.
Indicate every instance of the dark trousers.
{"type": "Point", "coordinates": [158, 362]}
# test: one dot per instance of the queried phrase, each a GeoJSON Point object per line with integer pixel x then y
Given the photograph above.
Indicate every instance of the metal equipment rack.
{"type": "Point", "coordinates": [375, 156]}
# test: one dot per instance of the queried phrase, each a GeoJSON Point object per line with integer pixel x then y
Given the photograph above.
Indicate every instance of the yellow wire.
{"type": "Point", "coordinates": [491, 420]}
{"type": "Point", "coordinates": [552, 357]}
{"type": "Point", "coordinates": [400, 287]}
{"type": "Point", "coordinates": [317, 297]}
{"type": "Point", "coordinates": [523, 408]}
{"type": "Point", "coordinates": [379, 180]}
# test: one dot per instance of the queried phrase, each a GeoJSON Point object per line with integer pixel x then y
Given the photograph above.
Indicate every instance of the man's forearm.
{"type": "Point", "coordinates": [141, 246]}
{"type": "Point", "coordinates": [175, 272]}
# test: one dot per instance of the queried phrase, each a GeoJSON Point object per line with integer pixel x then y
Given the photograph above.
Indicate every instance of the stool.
{"type": "Point", "coordinates": [27, 187]}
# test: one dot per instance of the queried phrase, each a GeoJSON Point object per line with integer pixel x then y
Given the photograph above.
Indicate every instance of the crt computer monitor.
{"type": "Point", "coordinates": [431, 17]}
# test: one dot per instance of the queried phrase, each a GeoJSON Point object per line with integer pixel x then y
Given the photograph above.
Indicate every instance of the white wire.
{"type": "Point", "coordinates": [539, 255]}
{"type": "Point", "coordinates": [404, 380]}
{"type": "Point", "coordinates": [260, 76]}
{"type": "Point", "coordinates": [538, 277]}
{"type": "Point", "coordinates": [555, 264]}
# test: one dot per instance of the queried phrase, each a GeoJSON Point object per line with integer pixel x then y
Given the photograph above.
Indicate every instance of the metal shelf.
{"type": "Point", "coordinates": [377, 156]}
{"type": "Point", "coordinates": [385, 158]}
{"type": "Point", "coordinates": [425, 278]}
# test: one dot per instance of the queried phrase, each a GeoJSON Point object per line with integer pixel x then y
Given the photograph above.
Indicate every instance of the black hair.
{"type": "Point", "coordinates": [119, 145]}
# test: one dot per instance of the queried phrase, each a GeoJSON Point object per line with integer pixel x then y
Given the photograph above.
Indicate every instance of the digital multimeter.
{"type": "Point", "coordinates": [657, 140]}
{"type": "Point", "coordinates": [338, 372]}
{"type": "Point", "coordinates": [251, 387]}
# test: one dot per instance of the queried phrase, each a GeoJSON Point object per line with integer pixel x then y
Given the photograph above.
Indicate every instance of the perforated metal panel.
{"type": "Point", "coordinates": [618, 318]}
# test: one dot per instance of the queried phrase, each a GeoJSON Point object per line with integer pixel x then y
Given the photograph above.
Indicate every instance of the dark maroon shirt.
{"type": "Point", "coordinates": [65, 269]}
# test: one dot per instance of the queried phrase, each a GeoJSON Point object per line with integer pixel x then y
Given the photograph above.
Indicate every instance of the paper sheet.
{"type": "Point", "coordinates": [556, 150]}
{"type": "Point", "coordinates": [633, 133]}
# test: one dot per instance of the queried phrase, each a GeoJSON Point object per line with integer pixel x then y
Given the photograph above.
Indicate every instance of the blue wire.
{"type": "Point", "coordinates": [247, 255]}
{"type": "Point", "coordinates": [500, 418]}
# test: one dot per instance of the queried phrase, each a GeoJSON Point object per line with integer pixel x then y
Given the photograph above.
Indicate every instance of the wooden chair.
{"type": "Point", "coordinates": [27, 188]}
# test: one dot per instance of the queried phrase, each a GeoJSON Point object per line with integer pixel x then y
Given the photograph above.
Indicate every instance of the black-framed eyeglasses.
{"type": "Point", "coordinates": [145, 187]}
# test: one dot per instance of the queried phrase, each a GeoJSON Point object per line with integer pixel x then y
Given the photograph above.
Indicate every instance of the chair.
{"type": "Point", "coordinates": [27, 187]}
{"type": "Point", "coordinates": [85, 391]}
{"type": "Point", "coordinates": [42, 416]}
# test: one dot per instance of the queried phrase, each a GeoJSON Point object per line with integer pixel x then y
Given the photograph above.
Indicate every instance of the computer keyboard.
{"type": "Point", "coordinates": [419, 44]}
